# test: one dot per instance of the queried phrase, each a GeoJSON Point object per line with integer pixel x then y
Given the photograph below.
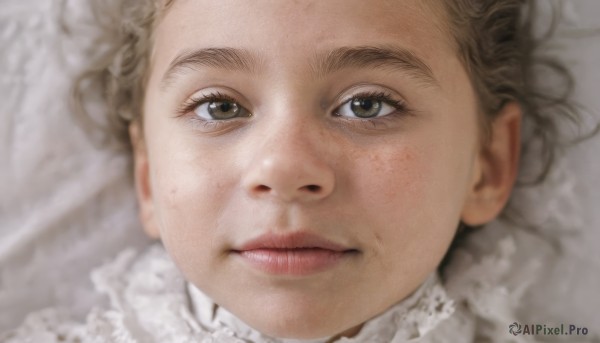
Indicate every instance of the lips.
{"type": "Point", "coordinates": [297, 253]}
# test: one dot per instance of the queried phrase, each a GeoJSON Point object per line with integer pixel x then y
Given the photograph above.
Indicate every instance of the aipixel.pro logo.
{"type": "Point", "coordinates": [546, 330]}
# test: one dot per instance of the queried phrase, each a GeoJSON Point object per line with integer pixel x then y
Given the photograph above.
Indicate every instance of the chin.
{"type": "Point", "coordinates": [295, 330]}
{"type": "Point", "coordinates": [289, 324]}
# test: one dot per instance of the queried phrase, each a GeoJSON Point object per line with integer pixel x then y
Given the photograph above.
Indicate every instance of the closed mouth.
{"type": "Point", "coordinates": [297, 253]}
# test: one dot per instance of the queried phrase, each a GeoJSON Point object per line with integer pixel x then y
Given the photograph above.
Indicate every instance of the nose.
{"type": "Point", "coordinates": [290, 166]}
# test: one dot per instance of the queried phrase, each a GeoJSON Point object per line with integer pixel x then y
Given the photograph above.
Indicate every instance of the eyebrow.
{"type": "Point", "coordinates": [216, 58]}
{"type": "Point", "coordinates": [378, 57]}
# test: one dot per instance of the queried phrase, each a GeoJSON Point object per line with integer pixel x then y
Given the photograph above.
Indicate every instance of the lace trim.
{"type": "Point", "coordinates": [407, 321]}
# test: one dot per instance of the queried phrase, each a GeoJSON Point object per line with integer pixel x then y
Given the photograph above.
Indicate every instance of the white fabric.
{"type": "Point", "coordinates": [66, 206]}
{"type": "Point", "coordinates": [408, 321]}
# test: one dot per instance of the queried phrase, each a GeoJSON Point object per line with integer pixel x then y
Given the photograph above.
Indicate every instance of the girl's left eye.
{"type": "Point", "coordinates": [219, 109]}
{"type": "Point", "coordinates": [365, 107]}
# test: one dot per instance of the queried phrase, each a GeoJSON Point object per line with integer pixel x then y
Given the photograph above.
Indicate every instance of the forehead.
{"type": "Point", "coordinates": [292, 29]}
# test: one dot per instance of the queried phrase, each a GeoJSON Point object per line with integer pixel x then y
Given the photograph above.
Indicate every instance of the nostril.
{"type": "Point", "coordinates": [313, 188]}
{"type": "Point", "coordinates": [263, 188]}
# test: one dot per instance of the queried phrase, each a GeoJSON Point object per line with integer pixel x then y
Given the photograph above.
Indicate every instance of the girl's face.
{"type": "Point", "coordinates": [306, 163]}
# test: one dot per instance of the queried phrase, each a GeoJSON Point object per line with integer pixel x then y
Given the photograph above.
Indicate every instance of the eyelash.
{"type": "Point", "coordinates": [191, 104]}
{"type": "Point", "coordinates": [400, 107]}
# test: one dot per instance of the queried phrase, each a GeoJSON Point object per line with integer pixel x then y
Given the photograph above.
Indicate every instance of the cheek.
{"type": "Point", "coordinates": [412, 196]}
{"type": "Point", "coordinates": [188, 194]}
{"type": "Point", "coordinates": [406, 182]}
{"type": "Point", "coordinates": [401, 174]}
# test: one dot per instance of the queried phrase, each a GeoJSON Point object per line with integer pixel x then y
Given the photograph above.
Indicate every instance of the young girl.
{"type": "Point", "coordinates": [307, 166]}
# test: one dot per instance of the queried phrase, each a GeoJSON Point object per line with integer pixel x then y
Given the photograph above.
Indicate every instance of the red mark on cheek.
{"type": "Point", "coordinates": [170, 196]}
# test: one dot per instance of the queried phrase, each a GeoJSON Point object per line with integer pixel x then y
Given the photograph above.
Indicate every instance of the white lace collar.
{"type": "Point", "coordinates": [407, 321]}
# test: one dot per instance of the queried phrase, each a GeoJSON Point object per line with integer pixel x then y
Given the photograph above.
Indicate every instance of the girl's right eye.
{"type": "Point", "coordinates": [219, 109]}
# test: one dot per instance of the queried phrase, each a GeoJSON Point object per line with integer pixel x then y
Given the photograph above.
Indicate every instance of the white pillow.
{"type": "Point", "coordinates": [65, 206]}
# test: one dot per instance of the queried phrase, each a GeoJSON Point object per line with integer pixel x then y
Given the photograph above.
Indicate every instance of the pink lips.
{"type": "Point", "coordinates": [297, 253]}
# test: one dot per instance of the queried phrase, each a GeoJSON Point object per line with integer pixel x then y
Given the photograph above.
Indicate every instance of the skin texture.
{"type": "Point", "coordinates": [394, 190]}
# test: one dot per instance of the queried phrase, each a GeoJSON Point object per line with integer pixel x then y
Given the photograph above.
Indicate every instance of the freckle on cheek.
{"type": "Point", "coordinates": [403, 170]}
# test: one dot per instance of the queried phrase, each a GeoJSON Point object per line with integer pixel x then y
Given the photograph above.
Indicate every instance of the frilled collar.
{"type": "Point", "coordinates": [407, 321]}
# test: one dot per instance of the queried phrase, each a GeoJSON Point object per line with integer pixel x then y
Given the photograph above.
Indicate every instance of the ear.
{"type": "Point", "coordinates": [495, 169]}
{"type": "Point", "coordinates": [143, 188]}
